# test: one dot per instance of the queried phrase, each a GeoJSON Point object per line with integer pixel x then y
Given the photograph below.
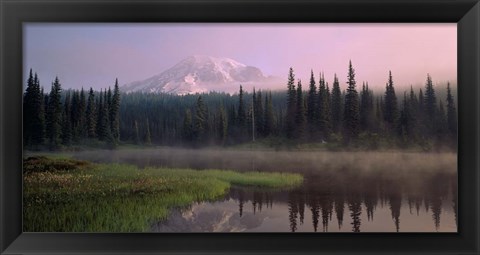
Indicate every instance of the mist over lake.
{"type": "Point", "coordinates": [341, 192]}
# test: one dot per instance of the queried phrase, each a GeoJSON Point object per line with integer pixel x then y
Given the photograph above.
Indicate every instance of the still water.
{"type": "Point", "coordinates": [342, 191]}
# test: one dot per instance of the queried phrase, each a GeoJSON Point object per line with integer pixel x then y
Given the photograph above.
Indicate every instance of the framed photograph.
{"type": "Point", "coordinates": [239, 127]}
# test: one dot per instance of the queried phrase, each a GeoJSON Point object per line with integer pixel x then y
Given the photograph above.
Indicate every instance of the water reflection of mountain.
{"type": "Point", "coordinates": [325, 195]}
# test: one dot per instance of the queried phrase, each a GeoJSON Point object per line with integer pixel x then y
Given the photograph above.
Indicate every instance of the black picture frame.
{"type": "Point", "coordinates": [466, 13]}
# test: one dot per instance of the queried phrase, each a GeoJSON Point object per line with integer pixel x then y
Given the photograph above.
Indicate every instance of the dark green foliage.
{"type": "Point", "coordinates": [259, 114]}
{"type": "Point", "coordinates": [351, 127]}
{"type": "Point", "coordinates": [222, 126]}
{"type": "Point", "coordinates": [103, 120]}
{"type": "Point", "coordinates": [91, 115]}
{"type": "Point", "coordinates": [33, 113]}
{"type": "Point", "coordinates": [430, 103]}
{"type": "Point", "coordinates": [451, 112]}
{"type": "Point", "coordinates": [67, 121]}
{"type": "Point", "coordinates": [336, 106]}
{"type": "Point", "coordinates": [390, 113]}
{"type": "Point", "coordinates": [200, 121]}
{"type": "Point", "coordinates": [188, 127]}
{"type": "Point", "coordinates": [300, 113]}
{"type": "Point", "coordinates": [366, 108]}
{"type": "Point", "coordinates": [291, 105]}
{"type": "Point", "coordinates": [323, 109]}
{"type": "Point", "coordinates": [406, 121]}
{"type": "Point", "coordinates": [241, 114]}
{"type": "Point", "coordinates": [115, 112]}
{"type": "Point", "coordinates": [277, 118]}
{"type": "Point", "coordinates": [441, 121]}
{"type": "Point", "coordinates": [312, 102]}
{"type": "Point", "coordinates": [54, 116]}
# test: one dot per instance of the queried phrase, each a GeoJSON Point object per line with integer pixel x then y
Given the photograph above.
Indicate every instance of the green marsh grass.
{"type": "Point", "coordinates": [87, 197]}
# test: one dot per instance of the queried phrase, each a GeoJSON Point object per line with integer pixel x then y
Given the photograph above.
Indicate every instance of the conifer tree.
{"type": "Point", "coordinates": [366, 108]}
{"type": "Point", "coordinates": [39, 134]}
{"type": "Point", "coordinates": [390, 113]}
{"type": "Point", "coordinates": [259, 114]}
{"type": "Point", "coordinates": [351, 113]}
{"type": "Point", "coordinates": [81, 116]}
{"type": "Point", "coordinates": [200, 123]}
{"type": "Point", "coordinates": [33, 112]}
{"type": "Point", "coordinates": [441, 123]}
{"type": "Point", "coordinates": [91, 115]}
{"type": "Point", "coordinates": [430, 104]}
{"type": "Point", "coordinates": [67, 121]}
{"type": "Point", "coordinates": [312, 104]}
{"type": "Point", "coordinates": [291, 105]}
{"type": "Point", "coordinates": [323, 111]}
{"type": "Point", "coordinates": [451, 112]}
{"type": "Point", "coordinates": [54, 115]}
{"type": "Point", "coordinates": [114, 112]}
{"type": "Point", "coordinates": [336, 105]}
{"type": "Point", "coordinates": [28, 111]}
{"type": "Point", "coordinates": [241, 114]}
{"type": "Point", "coordinates": [300, 112]}
{"type": "Point", "coordinates": [188, 126]}
{"type": "Point", "coordinates": [405, 123]}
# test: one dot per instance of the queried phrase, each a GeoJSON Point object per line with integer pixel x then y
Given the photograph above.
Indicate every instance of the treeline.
{"type": "Point", "coordinates": [63, 118]}
{"type": "Point", "coordinates": [323, 115]}
{"type": "Point", "coordinates": [319, 114]}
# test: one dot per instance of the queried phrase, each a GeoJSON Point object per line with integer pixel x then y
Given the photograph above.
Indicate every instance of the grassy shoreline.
{"type": "Point", "coordinates": [66, 195]}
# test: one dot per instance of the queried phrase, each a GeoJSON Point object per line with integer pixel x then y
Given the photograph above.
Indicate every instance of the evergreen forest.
{"type": "Point", "coordinates": [316, 114]}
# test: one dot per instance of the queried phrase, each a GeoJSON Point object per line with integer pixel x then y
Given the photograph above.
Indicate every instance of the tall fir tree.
{"type": "Point", "coordinates": [390, 112]}
{"type": "Point", "coordinates": [365, 108]}
{"type": "Point", "coordinates": [312, 105]}
{"type": "Point", "coordinates": [241, 113]}
{"type": "Point", "coordinates": [200, 120]}
{"type": "Point", "coordinates": [115, 112]}
{"type": "Point", "coordinates": [34, 112]}
{"type": "Point", "coordinates": [351, 127]}
{"type": "Point", "coordinates": [336, 106]}
{"type": "Point", "coordinates": [323, 109]}
{"type": "Point", "coordinates": [300, 113]}
{"type": "Point", "coordinates": [67, 120]}
{"type": "Point", "coordinates": [259, 114]}
{"type": "Point", "coordinates": [291, 105]}
{"type": "Point", "coordinates": [430, 104]}
{"type": "Point", "coordinates": [54, 115]}
{"type": "Point", "coordinates": [28, 110]}
{"type": "Point", "coordinates": [91, 115]}
{"type": "Point", "coordinates": [81, 119]}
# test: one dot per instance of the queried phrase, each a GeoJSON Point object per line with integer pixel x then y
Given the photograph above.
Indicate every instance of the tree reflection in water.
{"type": "Point", "coordinates": [325, 195]}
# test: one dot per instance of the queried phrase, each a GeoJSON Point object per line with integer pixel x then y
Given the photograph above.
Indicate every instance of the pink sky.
{"type": "Point", "coordinates": [95, 54]}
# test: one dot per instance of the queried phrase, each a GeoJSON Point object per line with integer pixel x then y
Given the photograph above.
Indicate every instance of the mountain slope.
{"type": "Point", "coordinates": [199, 73]}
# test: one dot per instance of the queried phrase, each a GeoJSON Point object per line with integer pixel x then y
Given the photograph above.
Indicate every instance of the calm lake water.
{"type": "Point", "coordinates": [342, 191]}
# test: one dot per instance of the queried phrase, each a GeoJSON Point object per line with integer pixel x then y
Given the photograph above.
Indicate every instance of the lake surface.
{"type": "Point", "coordinates": [342, 191]}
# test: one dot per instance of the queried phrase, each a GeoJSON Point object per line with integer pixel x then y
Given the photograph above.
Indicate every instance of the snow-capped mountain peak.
{"type": "Point", "coordinates": [200, 73]}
